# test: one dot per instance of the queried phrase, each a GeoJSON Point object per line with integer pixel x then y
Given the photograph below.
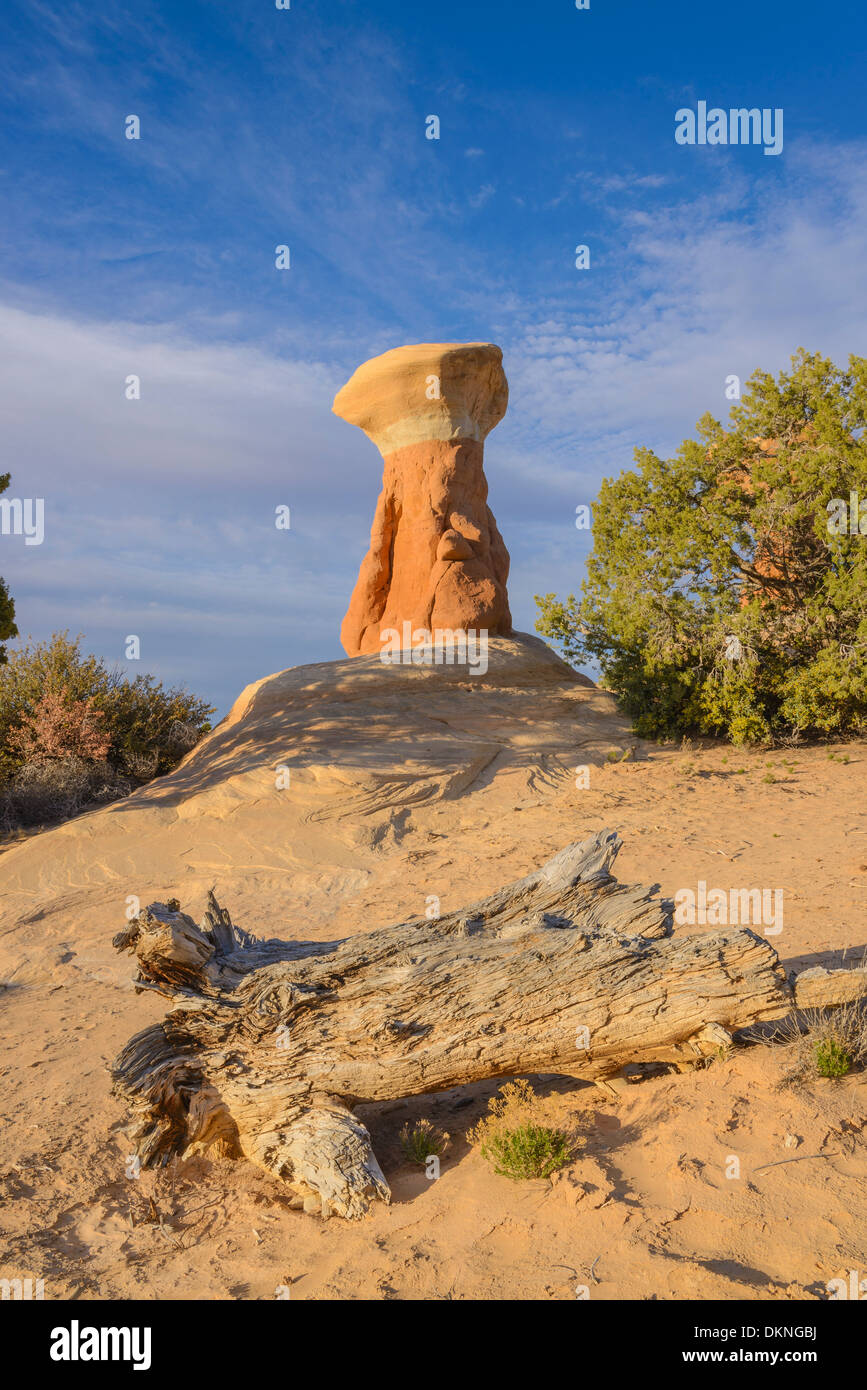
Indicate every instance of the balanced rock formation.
{"type": "Point", "coordinates": [436, 560]}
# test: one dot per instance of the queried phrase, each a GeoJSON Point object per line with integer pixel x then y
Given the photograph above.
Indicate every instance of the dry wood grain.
{"type": "Point", "coordinates": [269, 1044]}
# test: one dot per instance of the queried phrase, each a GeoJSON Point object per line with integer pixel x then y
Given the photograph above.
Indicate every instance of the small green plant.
{"type": "Point", "coordinates": [530, 1151]}
{"type": "Point", "coordinates": [769, 777]}
{"type": "Point", "coordinates": [719, 1054]}
{"type": "Point", "coordinates": [832, 1059]}
{"type": "Point", "coordinates": [514, 1141]}
{"type": "Point", "coordinates": [825, 1042]}
{"type": "Point", "coordinates": [421, 1140]}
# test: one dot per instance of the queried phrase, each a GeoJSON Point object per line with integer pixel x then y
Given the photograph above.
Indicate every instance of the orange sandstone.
{"type": "Point", "coordinates": [436, 559]}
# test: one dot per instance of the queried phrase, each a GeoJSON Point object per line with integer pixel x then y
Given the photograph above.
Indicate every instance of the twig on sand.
{"type": "Point", "coordinates": [591, 1273]}
{"type": "Point", "coordinates": [798, 1158]}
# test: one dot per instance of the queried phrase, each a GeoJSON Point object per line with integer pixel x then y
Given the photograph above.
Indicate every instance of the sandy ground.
{"type": "Point", "coordinates": [406, 783]}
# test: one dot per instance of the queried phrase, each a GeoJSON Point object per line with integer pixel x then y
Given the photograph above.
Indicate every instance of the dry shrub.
{"type": "Point", "coordinates": [59, 727]}
{"type": "Point", "coordinates": [421, 1140]}
{"type": "Point", "coordinates": [51, 790]}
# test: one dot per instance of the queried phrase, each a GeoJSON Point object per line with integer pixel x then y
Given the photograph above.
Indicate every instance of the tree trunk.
{"type": "Point", "coordinates": [270, 1044]}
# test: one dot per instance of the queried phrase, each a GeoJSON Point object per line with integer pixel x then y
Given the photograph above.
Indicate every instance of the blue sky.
{"type": "Point", "coordinates": [261, 127]}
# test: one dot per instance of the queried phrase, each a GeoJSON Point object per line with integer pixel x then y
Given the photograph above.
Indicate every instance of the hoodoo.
{"type": "Point", "coordinates": [436, 558]}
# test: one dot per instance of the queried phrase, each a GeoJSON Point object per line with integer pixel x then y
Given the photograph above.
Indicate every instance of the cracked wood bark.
{"type": "Point", "coordinates": [271, 1044]}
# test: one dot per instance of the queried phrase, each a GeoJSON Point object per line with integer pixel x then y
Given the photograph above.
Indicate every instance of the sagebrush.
{"type": "Point", "coordinates": [514, 1139]}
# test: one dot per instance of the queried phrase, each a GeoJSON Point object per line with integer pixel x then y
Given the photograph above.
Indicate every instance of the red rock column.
{"type": "Point", "coordinates": [436, 559]}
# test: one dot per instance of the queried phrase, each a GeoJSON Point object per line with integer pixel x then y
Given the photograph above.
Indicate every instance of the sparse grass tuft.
{"type": "Point", "coordinates": [421, 1140]}
{"type": "Point", "coordinates": [620, 755]}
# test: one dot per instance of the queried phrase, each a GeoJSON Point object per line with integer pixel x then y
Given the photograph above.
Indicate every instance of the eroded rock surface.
{"type": "Point", "coordinates": [436, 560]}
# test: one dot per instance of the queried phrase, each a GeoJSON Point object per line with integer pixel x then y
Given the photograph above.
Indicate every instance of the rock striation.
{"type": "Point", "coordinates": [436, 560]}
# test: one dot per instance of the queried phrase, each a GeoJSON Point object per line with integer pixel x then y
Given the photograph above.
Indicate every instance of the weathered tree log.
{"type": "Point", "coordinates": [271, 1044]}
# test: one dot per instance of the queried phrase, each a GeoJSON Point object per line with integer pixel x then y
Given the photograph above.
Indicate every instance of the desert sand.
{"type": "Point", "coordinates": [406, 782]}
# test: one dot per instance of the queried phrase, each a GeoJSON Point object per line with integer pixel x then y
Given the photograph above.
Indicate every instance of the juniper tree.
{"type": "Point", "coordinates": [726, 590]}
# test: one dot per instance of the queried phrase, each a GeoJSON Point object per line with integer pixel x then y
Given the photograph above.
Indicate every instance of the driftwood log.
{"type": "Point", "coordinates": [270, 1044]}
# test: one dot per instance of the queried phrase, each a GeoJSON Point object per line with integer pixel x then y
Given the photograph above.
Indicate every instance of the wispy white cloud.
{"type": "Point", "coordinates": [484, 195]}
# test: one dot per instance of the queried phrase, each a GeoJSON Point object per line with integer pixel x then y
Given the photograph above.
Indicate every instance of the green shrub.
{"type": "Point", "coordinates": [832, 1059]}
{"type": "Point", "coordinates": [514, 1141]}
{"type": "Point", "coordinates": [528, 1151]}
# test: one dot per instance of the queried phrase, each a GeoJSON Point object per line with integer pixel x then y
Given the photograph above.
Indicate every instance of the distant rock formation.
{"type": "Point", "coordinates": [436, 559]}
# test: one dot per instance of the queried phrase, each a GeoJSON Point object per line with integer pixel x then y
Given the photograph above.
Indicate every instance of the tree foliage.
{"type": "Point", "coordinates": [7, 607]}
{"type": "Point", "coordinates": [721, 597]}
